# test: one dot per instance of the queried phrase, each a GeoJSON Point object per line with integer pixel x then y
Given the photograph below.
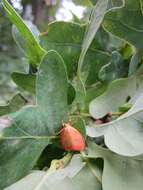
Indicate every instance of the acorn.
{"type": "Point", "coordinates": [71, 138]}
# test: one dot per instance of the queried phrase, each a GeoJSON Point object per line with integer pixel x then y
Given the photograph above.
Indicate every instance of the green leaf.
{"type": "Point", "coordinates": [17, 158]}
{"type": "Point", "coordinates": [116, 68]}
{"type": "Point", "coordinates": [29, 182]}
{"type": "Point", "coordinates": [74, 176]}
{"type": "Point", "coordinates": [123, 135]}
{"type": "Point", "coordinates": [116, 95]}
{"type": "Point", "coordinates": [79, 124]}
{"type": "Point", "coordinates": [33, 49]}
{"type": "Point", "coordinates": [92, 69]}
{"type": "Point", "coordinates": [87, 3]}
{"type": "Point", "coordinates": [25, 81]}
{"type": "Point", "coordinates": [71, 93]}
{"type": "Point", "coordinates": [120, 173]}
{"type": "Point", "coordinates": [59, 38]}
{"type": "Point", "coordinates": [106, 41]}
{"type": "Point", "coordinates": [14, 105]}
{"type": "Point", "coordinates": [125, 107]}
{"type": "Point", "coordinates": [20, 40]}
{"type": "Point", "coordinates": [94, 92]}
{"type": "Point", "coordinates": [126, 23]}
{"type": "Point", "coordinates": [30, 132]}
{"type": "Point", "coordinates": [134, 62]}
{"type": "Point", "coordinates": [94, 24]}
{"type": "Point", "coordinates": [95, 21]}
{"type": "Point", "coordinates": [91, 93]}
{"type": "Point", "coordinates": [53, 81]}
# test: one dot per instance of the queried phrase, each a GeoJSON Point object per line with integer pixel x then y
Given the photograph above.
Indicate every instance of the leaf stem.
{"type": "Point", "coordinates": [80, 115]}
{"type": "Point", "coordinates": [116, 113]}
{"type": "Point", "coordinates": [61, 163]}
{"type": "Point", "coordinates": [86, 158]}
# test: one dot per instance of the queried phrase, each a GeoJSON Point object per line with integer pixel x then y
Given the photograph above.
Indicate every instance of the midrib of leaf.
{"type": "Point", "coordinates": [28, 137]}
{"type": "Point", "coordinates": [25, 136]}
{"type": "Point", "coordinates": [93, 171]}
{"type": "Point", "coordinates": [53, 168]}
{"type": "Point", "coordinates": [48, 173]}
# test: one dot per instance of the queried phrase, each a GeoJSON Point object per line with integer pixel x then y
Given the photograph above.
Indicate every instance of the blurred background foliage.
{"type": "Point", "coordinates": [39, 12]}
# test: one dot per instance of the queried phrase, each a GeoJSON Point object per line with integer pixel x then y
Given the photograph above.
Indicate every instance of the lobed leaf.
{"type": "Point", "coordinates": [126, 23]}
{"type": "Point", "coordinates": [120, 172]}
{"type": "Point", "coordinates": [124, 134]}
{"type": "Point", "coordinates": [33, 126]}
